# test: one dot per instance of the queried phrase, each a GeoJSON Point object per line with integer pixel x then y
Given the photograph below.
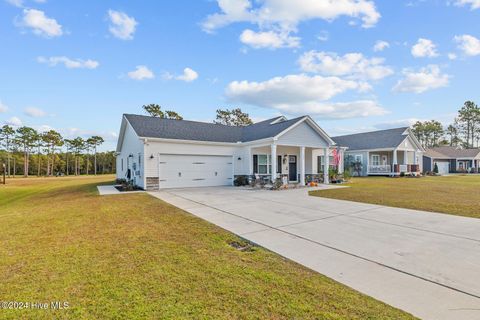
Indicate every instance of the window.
{"type": "Point", "coordinates": [375, 159]}
{"type": "Point", "coordinates": [279, 164]}
{"type": "Point", "coordinates": [262, 164]}
{"type": "Point", "coordinates": [358, 158]}
{"type": "Point", "coordinates": [321, 163]}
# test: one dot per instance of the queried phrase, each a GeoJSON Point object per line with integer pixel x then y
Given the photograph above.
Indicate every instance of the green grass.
{"type": "Point", "coordinates": [136, 257]}
{"type": "Point", "coordinates": [457, 195]}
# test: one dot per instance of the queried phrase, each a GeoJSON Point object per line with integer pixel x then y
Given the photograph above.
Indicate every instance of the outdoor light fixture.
{"type": "Point", "coordinates": [239, 158]}
{"type": "Point", "coordinates": [151, 156]}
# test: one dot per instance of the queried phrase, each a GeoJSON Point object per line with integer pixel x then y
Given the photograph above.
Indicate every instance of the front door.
{"type": "Point", "coordinates": [292, 168]}
{"type": "Point", "coordinates": [384, 160]}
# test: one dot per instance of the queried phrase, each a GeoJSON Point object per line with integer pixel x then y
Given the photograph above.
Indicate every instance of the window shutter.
{"type": "Point", "coordinates": [255, 164]}
{"type": "Point", "coordinates": [279, 164]}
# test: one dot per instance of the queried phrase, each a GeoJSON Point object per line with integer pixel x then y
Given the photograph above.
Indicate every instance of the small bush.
{"type": "Point", "coordinates": [240, 181]}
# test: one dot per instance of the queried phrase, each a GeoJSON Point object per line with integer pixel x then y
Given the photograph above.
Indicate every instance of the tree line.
{"type": "Point", "coordinates": [463, 132]}
{"type": "Point", "coordinates": [25, 151]}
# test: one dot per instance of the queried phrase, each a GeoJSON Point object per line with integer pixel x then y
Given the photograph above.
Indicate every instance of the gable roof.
{"type": "Point", "coordinates": [382, 139]}
{"type": "Point", "coordinates": [153, 127]}
{"type": "Point", "coordinates": [449, 152]}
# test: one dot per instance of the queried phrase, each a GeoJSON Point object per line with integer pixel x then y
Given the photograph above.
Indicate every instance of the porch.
{"type": "Point", "coordinates": [293, 164]}
{"type": "Point", "coordinates": [393, 162]}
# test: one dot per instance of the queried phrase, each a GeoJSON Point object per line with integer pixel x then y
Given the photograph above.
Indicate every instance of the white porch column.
{"type": "Point", "coordinates": [415, 157]}
{"type": "Point", "coordinates": [368, 163]}
{"type": "Point", "coordinates": [405, 157]}
{"type": "Point", "coordinates": [341, 166]}
{"type": "Point", "coordinates": [326, 165]}
{"type": "Point", "coordinates": [273, 152]}
{"type": "Point", "coordinates": [302, 166]}
{"type": "Point", "coordinates": [250, 161]}
{"type": "Point", "coordinates": [395, 161]}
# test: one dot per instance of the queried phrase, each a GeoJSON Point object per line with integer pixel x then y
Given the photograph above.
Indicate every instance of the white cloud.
{"type": "Point", "coordinates": [141, 73]}
{"type": "Point", "coordinates": [474, 4]}
{"type": "Point", "coordinates": [40, 23]}
{"type": "Point", "coordinates": [3, 107]}
{"type": "Point", "coordinates": [468, 44]}
{"type": "Point", "coordinates": [424, 48]}
{"type": "Point", "coordinates": [16, 3]}
{"type": "Point", "coordinates": [396, 123]}
{"type": "Point", "coordinates": [14, 122]}
{"type": "Point", "coordinates": [303, 94]}
{"type": "Point", "coordinates": [323, 36]}
{"type": "Point", "coordinates": [282, 17]}
{"type": "Point", "coordinates": [380, 45]}
{"type": "Point", "coordinates": [35, 112]}
{"type": "Point", "coordinates": [351, 65]}
{"type": "Point", "coordinates": [269, 39]}
{"type": "Point", "coordinates": [452, 56]}
{"type": "Point", "coordinates": [425, 79]}
{"type": "Point", "coordinates": [287, 14]}
{"type": "Point", "coordinates": [122, 26]}
{"type": "Point", "coordinates": [188, 75]}
{"type": "Point", "coordinates": [69, 63]}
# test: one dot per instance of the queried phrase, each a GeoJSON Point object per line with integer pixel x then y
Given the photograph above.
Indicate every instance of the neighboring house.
{"type": "Point", "coordinates": [451, 159]}
{"type": "Point", "coordinates": [162, 153]}
{"type": "Point", "coordinates": [385, 152]}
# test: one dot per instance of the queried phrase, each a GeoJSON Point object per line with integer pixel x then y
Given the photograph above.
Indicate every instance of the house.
{"type": "Point", "coordinates": [386, 152]}
{"type": "Point", "coordinates": [451, 159]}
{"type": "Point", "coordinates": [157, 153]}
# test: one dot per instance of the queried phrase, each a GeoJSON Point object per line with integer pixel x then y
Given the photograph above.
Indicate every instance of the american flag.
{"type": "Point", "coordinates": [336, 157]}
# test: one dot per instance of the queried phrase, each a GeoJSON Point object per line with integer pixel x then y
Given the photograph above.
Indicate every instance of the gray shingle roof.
{"type": "Point", "coordinates": [152, 127]}
{"type": "Point", "coordinates": [382, 139]}
{"type": "Point", "coordinates": [448, 152]}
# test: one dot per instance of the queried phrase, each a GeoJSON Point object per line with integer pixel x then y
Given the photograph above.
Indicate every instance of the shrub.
{"type": "Point", "coordinates": [240, 181]}
{"type": "Point", "coordinates": [435, 168]}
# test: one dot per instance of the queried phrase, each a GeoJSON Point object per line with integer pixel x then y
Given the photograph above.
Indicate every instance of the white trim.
{"type": "Point", "coordinates": [314, 126]}
{"type": "Point", "coordinates": [415, 140]}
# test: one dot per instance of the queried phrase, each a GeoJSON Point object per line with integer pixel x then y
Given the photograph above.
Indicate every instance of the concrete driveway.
{"type": "Point", "coordinates": [427, 264]}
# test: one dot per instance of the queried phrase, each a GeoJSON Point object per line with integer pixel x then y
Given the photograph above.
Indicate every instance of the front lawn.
{"type": "Point", "coordinates": [136, 257]}
{"type": "Point", "coordinates": [458, 195]}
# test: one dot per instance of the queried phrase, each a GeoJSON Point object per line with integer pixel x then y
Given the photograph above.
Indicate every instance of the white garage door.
{"type": "Point", "coordinates": [180, 171]}
{"type": "Point", "coordinates": [443, 167]}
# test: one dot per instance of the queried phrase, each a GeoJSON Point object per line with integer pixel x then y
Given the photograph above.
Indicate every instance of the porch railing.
{"type": "Point", "coordinates": [382, 168]}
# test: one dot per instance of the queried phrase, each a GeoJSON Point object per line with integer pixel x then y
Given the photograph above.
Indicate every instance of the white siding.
{"type": "Point", "coordinates": [407, 144]}
{"type": "Point", "coordinates": [132, 145]}
{"type": "Point", "coordinates": [303, 134]}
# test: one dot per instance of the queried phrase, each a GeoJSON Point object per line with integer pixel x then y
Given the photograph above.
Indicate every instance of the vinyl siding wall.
{"type": "Point", "coordinates": [132, 145]}
{"type": "Point", "coordinates": [303, 134]}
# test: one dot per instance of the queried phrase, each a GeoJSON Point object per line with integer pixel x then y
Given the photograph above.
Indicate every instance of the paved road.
{"type": "Point", "coordinates": [427, 264]}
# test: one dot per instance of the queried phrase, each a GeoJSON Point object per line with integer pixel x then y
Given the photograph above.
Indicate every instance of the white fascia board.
{"type": "Point", "coordinates": [415, 140]}
{"type": "Point", "coordinates": [313, 124]}
{"type": "Point", "coordinates": [123, 127]}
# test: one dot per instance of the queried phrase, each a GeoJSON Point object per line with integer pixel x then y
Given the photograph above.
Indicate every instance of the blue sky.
{"type": "Point", "coordinates": [76, 66]}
